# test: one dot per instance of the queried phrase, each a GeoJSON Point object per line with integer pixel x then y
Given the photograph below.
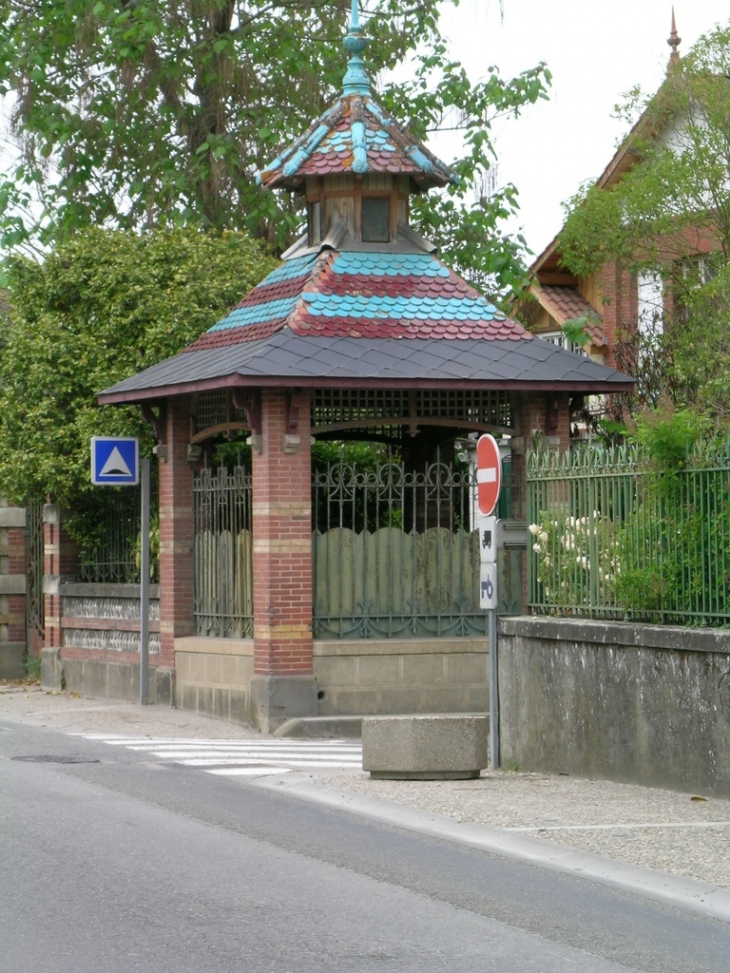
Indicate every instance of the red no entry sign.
{"type": "Point", "coordinates": [489, 474]}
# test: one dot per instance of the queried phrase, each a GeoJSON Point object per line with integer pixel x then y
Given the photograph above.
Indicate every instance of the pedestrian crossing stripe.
{"type": "Point", "coordinates": [243, 758]}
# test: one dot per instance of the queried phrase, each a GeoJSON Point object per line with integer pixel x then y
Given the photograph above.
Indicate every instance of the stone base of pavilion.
{"type": "Point", "coordinates": [358, 677]}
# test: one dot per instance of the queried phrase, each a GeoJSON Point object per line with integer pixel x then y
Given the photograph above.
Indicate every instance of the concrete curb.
{"type": "Point", "coordinates": [708, 900]}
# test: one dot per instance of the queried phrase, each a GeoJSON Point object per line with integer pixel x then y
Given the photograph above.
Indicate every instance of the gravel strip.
{"type": "Point", "coordinates": [556, 808]}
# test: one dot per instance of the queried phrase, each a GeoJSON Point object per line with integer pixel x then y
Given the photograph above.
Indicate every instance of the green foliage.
{"type": "Point", "coordinates": [675, 545]}
{"type": "Point", "coordinates": [100, 308]}
{"type": "Point", "coordinates": [151, 114]}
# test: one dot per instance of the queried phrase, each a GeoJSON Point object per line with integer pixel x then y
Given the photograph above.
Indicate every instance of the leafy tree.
{"type": "Point", "coordinates": [100, 307]}
{"type": "Point", "coordinates": [668, 217]}
{"type": "Point", "coordinates": [135, 113]}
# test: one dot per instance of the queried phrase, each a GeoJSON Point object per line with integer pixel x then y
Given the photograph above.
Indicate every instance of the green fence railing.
{"type": "Point", "coordinates": [611, 537]}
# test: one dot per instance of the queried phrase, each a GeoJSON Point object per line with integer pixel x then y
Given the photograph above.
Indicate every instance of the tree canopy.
{"type": "Point", "coordinates": [138, 113]}
{"type": "Point", "coordinates": [99, 308]}
{"type": "Point", "coordinates": [668, 218]}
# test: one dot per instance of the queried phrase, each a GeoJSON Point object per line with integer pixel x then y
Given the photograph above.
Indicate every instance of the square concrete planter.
{"type": "Point", "coordinates": [425, 747]}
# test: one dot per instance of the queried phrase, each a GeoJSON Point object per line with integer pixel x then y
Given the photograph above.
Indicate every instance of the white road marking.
{"type": "Point", "coordinates": [244, 758]}
{"type": "Point", "coordinates": [624, 827]}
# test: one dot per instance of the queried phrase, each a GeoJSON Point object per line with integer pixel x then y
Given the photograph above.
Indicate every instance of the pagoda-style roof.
{"type": "Point", "coordinates": [403, 291]}
{"type": "Point", "coordinates": [345, 312]}
{"type": "Point", "coordinates": [355, 135]}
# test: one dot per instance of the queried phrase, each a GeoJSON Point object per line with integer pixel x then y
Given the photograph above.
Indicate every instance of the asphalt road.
{"type": "Point", "coordinates": [117, 864]}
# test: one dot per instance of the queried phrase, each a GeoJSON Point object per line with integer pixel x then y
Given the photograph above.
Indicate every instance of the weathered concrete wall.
{"type": "Point", "coordinates": [353, 678]}
{"type": "Point", "coordinates": [637, 703]}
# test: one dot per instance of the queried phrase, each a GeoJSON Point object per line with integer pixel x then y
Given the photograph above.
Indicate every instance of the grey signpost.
{"type": "Point", "coordinates": [115, 462]}
{"type": "Point", "coordinates": [489, 482]}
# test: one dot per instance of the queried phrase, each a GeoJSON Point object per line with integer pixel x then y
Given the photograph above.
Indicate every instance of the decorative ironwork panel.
{"type": "Point", "coordinates": [336, 406]}
{"type": "Point", "coordinates": [330, 406]}
{"type": "Point", "coordinates": [34, 599]}
{"type": "Point", "coordinates": [211, 409]}
{"type": "Point", "coordinates": [223, 553]}
{"type": "Point", "coordinates": [489, 407]}
{"type": "Point", "coordinates": [393, 553]}
{"type": "Point", "coordinates": [114, 555]}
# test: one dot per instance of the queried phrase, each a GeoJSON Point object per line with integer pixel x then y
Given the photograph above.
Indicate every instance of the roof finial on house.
{"type": "Point", "coordinates": [356, 81]}
{"type": "Point", "coordinates": [674, 41]}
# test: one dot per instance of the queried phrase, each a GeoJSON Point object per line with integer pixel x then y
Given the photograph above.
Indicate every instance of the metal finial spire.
{"type": "Point", "coordinates": [674, 41]}
{"type": "Point", "coordinates": [356, 80]}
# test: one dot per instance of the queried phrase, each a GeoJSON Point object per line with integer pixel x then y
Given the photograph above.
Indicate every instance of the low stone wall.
{"type": "Point", "coordinates": [637, 703]}
{"type": "Point", "coordinates": [379, 676]}
{"type": "Point", "coordinates": [354, 678]}
{"type": "Point", "coordinates": [98, 631]}
{"type": "Point", "coordinates": [213, 675]}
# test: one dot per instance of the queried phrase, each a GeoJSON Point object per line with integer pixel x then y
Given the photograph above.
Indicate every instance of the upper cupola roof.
{"type": "Point", "coordinates": [355, 135]}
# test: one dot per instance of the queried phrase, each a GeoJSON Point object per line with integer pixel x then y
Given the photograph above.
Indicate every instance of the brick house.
{"type": "Point", "coordinates": [362, 333]}
{"type": "Point", "coordinates": [619, 305]}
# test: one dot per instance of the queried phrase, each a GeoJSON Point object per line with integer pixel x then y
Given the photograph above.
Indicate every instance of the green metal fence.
{"type": "Point", "coordinates": [612, 537]}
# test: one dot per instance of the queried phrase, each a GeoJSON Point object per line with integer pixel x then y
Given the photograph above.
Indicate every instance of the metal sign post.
{"type": "Point", "coordinates": [144, 585]}
{"type": "Point", "coordinates": [115, 462]}
{"type": "Point", "coordinates": [489, 483]}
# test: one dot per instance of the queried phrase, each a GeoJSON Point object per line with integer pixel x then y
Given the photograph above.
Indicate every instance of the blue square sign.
{"type": "Point", "coordinates": [114, 460]}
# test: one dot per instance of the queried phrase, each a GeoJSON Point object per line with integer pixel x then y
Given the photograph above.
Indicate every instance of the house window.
{"type": "Point", "coordinates": [375, 219]}
{"type": "Point", "coordinates": [650, 305]}
{"type": "Point", "coordinates": [561, 340]}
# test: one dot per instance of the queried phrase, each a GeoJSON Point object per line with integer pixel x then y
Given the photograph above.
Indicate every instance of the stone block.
{"type": "Point", "coordinates": [425, 747]}
{"type": "Point", "coordinates": [12, 659]}
{"type": "Point", "coordinates": [275, 699]}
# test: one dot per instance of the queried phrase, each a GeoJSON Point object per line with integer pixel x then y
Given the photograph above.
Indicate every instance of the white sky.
{"type": "Point", "coordinates": [596, 50]}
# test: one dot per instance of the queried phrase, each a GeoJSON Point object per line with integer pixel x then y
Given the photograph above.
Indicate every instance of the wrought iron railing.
{"type": "Point", "coordinates": [222, 553]}
{"type": "Point", "coordinates": [112, 555]}
{"type": "Point", "coordinates": [34, 556]}
{"type": "Point", "coordinates": [394, 554]}
{"type": "Point", "coordinates": [609, 538]}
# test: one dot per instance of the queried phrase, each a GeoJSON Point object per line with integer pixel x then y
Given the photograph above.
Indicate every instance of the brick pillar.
{"type": "Point", "coordinates": [60, 563]}
{"type": "Point", "coordinates": [283, 684]}
{"type": "Point", "coordinates": [13, 640]}
{"type": "Point", "coordinates": [176, 532]}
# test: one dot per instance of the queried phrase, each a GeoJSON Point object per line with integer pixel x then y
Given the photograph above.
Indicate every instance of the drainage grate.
{"type": "Point", "coordinates": [49, 758]}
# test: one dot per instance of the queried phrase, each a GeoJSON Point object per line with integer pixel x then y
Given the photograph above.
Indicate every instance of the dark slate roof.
{"type": "Point", "coordinates": [401, 292]}
{"type": "Point", "coordinates": [288, 359]}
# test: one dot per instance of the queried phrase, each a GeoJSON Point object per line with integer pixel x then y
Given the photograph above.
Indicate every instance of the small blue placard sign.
{"type": "Point", "coordinates": [114, 460]}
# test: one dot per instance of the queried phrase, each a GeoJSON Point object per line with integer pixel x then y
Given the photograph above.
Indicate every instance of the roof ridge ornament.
{"type": "Point", "coordinates": [674, 41]}
{"type": "Point", "coordinates": [356, 81]}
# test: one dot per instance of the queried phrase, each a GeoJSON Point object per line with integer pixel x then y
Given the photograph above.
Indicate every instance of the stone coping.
{"type": "Point", "coordinates": [630, 635]}
{"type": "Point", "coordinates": [90, 589]}
{"type": "Point", "coordinates": [356, 647]}
{"type": "Point", "coordinates": [208, 645]}
{"type": "Point", "coordinates": [414, 646]}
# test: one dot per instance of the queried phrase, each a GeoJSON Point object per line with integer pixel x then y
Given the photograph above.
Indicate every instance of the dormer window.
{"type": "Point", "coordinates": [375, 219]}
{"type": "Point", "coordinates": [315, 222]}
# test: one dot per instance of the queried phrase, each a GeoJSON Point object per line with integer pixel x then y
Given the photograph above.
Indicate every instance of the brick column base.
{"type": "Point", "coordinates": [276, 699]}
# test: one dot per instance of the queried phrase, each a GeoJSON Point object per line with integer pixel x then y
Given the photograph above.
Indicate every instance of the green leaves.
{"type": "Point", "coordinates": [147, 114]}
{"type": "Point", "coordinates": [96, 310]}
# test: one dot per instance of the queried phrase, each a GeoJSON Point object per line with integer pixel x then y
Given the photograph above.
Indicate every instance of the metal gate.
{"type": "Point", "coordinates": [394, 554]}
{"type": "Point", "coordinates": [222, 553]}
